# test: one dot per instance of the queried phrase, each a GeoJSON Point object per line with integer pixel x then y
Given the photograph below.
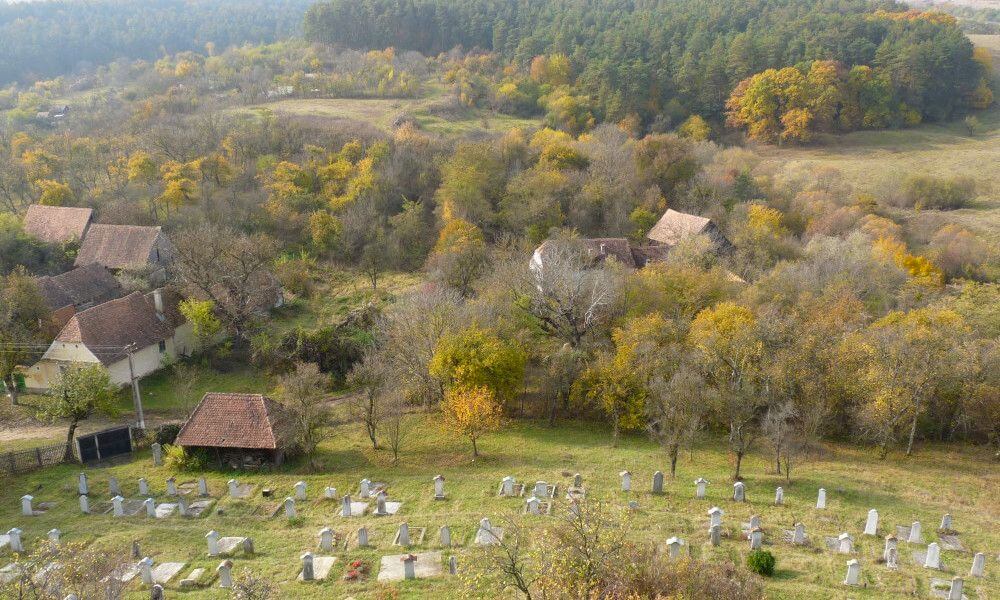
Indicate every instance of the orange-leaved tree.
{"type": "Point", "coordinates": [472, 412]}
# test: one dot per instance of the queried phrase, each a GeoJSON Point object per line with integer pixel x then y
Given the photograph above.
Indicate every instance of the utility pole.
{"type": "Point", "coordinates": [136, 396]}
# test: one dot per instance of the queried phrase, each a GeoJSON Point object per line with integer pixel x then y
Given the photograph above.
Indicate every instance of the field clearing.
{"type": "Point", "coordinates": [956, 479]}
{"type": "Point", "coordinates": [383, 113]}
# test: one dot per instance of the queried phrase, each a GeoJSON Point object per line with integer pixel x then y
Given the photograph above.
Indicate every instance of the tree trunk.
{"type": "Point", "coordinates": [475, 449]}
{"type": "Point", "coordinates": [674, 450]}
{"type": "Point", "coordinates": [552, 409]}
{"type": "Point", "coordinates": [913, 428]}
{"type": "Point", "coordinates": [68, 456]}
{"type": "Point", "coordinates": [614, 433]}
{"type": "Point", "coordinates": [739, 462]}
{"type": "Point", "coordinates": [777, 461]}
{"type": "Point", "coordinates": [11, 386]}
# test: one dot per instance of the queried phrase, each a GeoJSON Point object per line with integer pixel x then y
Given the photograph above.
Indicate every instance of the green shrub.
{"type": "Point", "coordinates": [761, 562]}
{"type": "Point", "coordinates": [179, 459]}
{"type": "Point", "coordinates": [924, 191]}
{"type": "Point", "coordinates": [166, 434]}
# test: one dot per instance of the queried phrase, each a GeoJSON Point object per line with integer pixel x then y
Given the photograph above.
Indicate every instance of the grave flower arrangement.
{"type": "Point", "coordinates": [358, 569]}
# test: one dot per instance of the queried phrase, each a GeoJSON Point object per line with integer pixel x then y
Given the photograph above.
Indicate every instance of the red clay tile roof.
{"type": "Point", "coordinates": [118, 246]}
{"type": "Point", "coordinates": [602, 248]}
{"type": "Point", "coordinates": [225, 420]}
{"type": "Point", "coordinates": [107, 328]}
{"type": "Point", "coordinates": [87, 285]}
{"type": "Point", "coordinates": [57, 224]}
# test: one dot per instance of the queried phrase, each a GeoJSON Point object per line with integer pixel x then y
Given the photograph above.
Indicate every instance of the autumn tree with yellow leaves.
{"type": "Point", "coordinates": [472, 412]}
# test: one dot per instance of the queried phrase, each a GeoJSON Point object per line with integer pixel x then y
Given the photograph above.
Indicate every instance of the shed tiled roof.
{"type": "Point", "coordinates": [602, 248]}
{"type": "Point", "coordinates": [229, 420]}
{"type": "Point", "coordinates": [118, 246]}
{"type": "Point", "coordinates": [107, 328]}
{"type": "Point", "coordinates": [57, 224]}
{"type": "Point", "coordinates": [89, 284]}
{"type": "Point", "coordinates": [674, 226]}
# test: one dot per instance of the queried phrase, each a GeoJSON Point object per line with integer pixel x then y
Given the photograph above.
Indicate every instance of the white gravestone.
{"type": "Point", "coordinates": [326, 539]}
{"type": "Point", "coordinates": [345, 510]}
{"type": "Point", "coordinates": [674, 546]}
{"type": "Point", "coordinates": [182, 506]}
{"type": "Point", "coordinates": [756, 538]}
{"type": "Point", "coordinates": [853, 572]}
{"type": "Point", "coordinates": [329, 492]}
{"type": "Point", "coordinates": [541, 489]}
{"type": "Point", "coordinates": [507, 486]}
{"type": "Point", "coordinates": [658, 482]}
{"type": "Point", "coordinates": [233, 488]}
{"type": "Point", "coordinates": [626, 481]}
{"type": "Point", "coordinates": [202, 487]}
{"type": "Point", "coordinates": [213, 542]}
{"type": "Point", "coordinates": [978, 565]}
{"type": "Point", "coordinates": [54, 538]}
{"type": "Point", "coordinates": [157, 454]}
{"type": "Point", "coordinates": [755, 522]}
{"type": "Point", "coordinates": [143, 487]}
{"type": "Point", "coordinates": [715, 534]}
{"type": "Point", "coordinates": [307, 567]}
{"type": "Point", "coordinates": [891, 544]}
{"type": "Point", "coordinates": [439, 487]}
{"type": "Point", "coordinates": [81, 484]}
{"type": "Point", "coordinates": [14, 535]}
{"type": "Point", "coordinates": [409, 566]}
{"type": "Point", "coordinates": [715, 516]}
{"type": "Point", "coordinates": [300, 490]}
{"type": "Point", "coordinates": [946, 523]}
{"type": "Point", "coordinates": [172, 486]}
{"type": "Point", "coordinates": [290, 508]}
{"type": "Point", "coordinates": [779, 496]}
{"type": "Point", "coordinates": [150, 506]}
{"type": "Point", "coordinates": [84, 504]}
{"type": "Point", "coordinates": [531, 506]}
{"type": "Point", "coordinates": [445, 536]}
{"type": "Point", "coordinates": [915, 537]}
{"type": "Point", "coordinates": [113, 486]}
{"type": "Point", "coordinates": [117, 508]}
{"type": "Point", "coordinates": [225, 571]}
{"type": "Point", "coordinates": [699, 490]}
{"type": "Point", "coordinates": [871, 525]}
{"type": "Point", "coordinates": [845, 543]}
{"type": "Point", "coordinates": [799, 536]}
{"type": "Point", "coordinates": [739, 492]}
{"type": "Point", "coordinates": [365, 488]}
{"type": "Point", "coordinates": [146, 570]}
{"type": "Point", "coordinates": [821, 499]}
{"type": "Point", "coordinates": [955, 592]}
{"type": "Point", "coordinates": [380, 509]}
{"type": "Point", "coordinates": [933, 558]}
{"type": "Point", "coordinates": [26, 509]}
{"type": "Point", "coordinates": [363, 537]}
{"type": "Point", "coordinates": [403, 535]}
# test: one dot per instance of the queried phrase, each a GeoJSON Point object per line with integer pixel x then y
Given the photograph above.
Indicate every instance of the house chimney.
{"type": "Point", "coordinates": [158, 302]}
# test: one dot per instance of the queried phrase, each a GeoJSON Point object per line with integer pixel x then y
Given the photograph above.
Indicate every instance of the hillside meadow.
{"type": "Point", "coordinates": [954, 479]}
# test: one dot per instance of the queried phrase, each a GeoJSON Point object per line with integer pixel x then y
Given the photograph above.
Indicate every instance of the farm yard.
{"type": "Point", "coordinates": [939, 479]}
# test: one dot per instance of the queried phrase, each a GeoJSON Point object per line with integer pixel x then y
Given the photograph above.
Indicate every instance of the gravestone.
{"type": "Point", "coordinates": [192, 579]}
{"type": "Point", "coordinates": [699, 490]}
{"type": "Point", "coordinates": [233, 488]}
{"type": "Point", "coordinates": [156, 593]}
{"type": "Point", "coordinates": [84, 504]}
{"type": "Point", "coordinates": [146, 570]}
{"type": "Point", "coordinates": [113, 487]}
{"type": "Point", "coordinates": [715, 535]}
{"type": "Point", "coordinates": [439, 487]}
{"type": "Point", "coordinates": [531, 506]}
{"type": "Point", "coordinates": [739, 492]}
{"type": "Point", "coordinates": [955, 591]}
{"type": "Point", "coordinates": [54, 538]}
{"type": "Point", "coordinates": [150, 506]}
{"type": "Point", "coordinates": [541, 489]}
{"type": "Point", "coordinates": [754, 522]}
{"type": "Point", "coordinates": [329, 492]}
{"type": "Point", "coordinates": [290, 512]}
{"type": "Point", "coordinates": [409, 566]}
{"type": "Point", "coordinates": [577, 480]}
{"type": "Point", "coordinates": [453, 565]}
{"type": "Point", "coordinates": [81, 484]}
{"type": "Point", "coordinates": [945, 523]}
{"type": "Point", "coordinates": [14, 537]}
{"type": "Point", "coordinates": [345, 510]}
{"type": "Point", "coordinates": [756, 538]}
{"type": "Point", "coordinates": [821, 499]}
{"type": "Point", "coordinates": [363, 537]}
{"type": "Point", "coordinates": [978, 565]}
{"type": "Point", "coordinates": [914, 537]}
{"type": "Point", "coordinates": [116, 504]}
{"type": "Point", "coordinates": [182, 506]}
{"type": "Point", "coordinates": [871, 525]}
{"type": "Point", "coordinates": [248, 548]}
{"type": "Point", "coordinates": [845, 544]}
{"type": "Point", "coordinates": [487, 534]}
{"type": "Point", "coordinates": [172, 486]}
{"type": "Point", "coordinates": [307, 567]}
{"type": "Point", "coordinates": [933, 558]}
{"type": "Point", "coordinates": [213, 542]}
{"type": "Point", "coordinates": [626, 481]}
{"type": "Point", "coordinates": [445, 532]}
{"type": "Point", "coordinates": [403, 535]}
{"type": "Point", "coordinates": [507, 486]}
{"type": "Point", "coordinates": [26, 509]}
{"type": "Point", "coordinates": [779, 496]}
{"type": "Point", "coordinates": [658, 482]}
{"type": "Point", "coordinates": [136, 551]}
{"type": "Point", "coordinates": [202, 487]}
{"type": "Point", "coordinates": [326, 539]}
{"type": "Point", "coordinates": [715, 516]}
{"type": "Point", "coordinates": [143, 487]}
{"type": "Point", "coordinates": [365, 489]}
{"type": "Point", "coordinates": [674, 546]}
{"type": "Point", "coordinates": [397, 567]}
{"type": "Point", "coordinates": [853, 572]}
{"type": "Point", "coordinates": [799, 537]}
{"type": "Point", "coordinates": [157, 454]}
{"type": "Point", "coordinates": [300, 490]}
{"type": "Point", "coordinates": [225, 571]}
{"type": "Point", "coordinates": [891, 544]}
{"type": "Point", "coordinates": [380, 509]}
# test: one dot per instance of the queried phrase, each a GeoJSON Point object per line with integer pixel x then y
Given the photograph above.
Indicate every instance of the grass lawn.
{"type": "Point", "coordinates": [956, 479]}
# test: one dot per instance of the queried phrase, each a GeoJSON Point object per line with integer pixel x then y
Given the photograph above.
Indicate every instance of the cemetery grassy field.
{"type": "Point", "coordinates": [959, 480]}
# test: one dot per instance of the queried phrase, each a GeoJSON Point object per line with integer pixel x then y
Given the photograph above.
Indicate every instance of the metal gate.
{"type": "Point", "coordinates": [105, 444]}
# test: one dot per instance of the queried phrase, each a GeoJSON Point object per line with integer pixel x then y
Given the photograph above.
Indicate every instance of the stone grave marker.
{"type": "Point", "coordinates": [674, 546]}
{"type": "Point", "coordinates": [82, 486]}
{"type": "Point", "coordinates": [202, 487]}
{"type": "Point", "coordinates": [756, 538]}
{"type": "Point", "coordinates": [193, 578]}
{"type": "Point", "coordinates": [914, 537]}
{"type": "Point", "coordinates": [699, 490]}
{"type": "Point", "coordinates": [165, 509]}
{"type": "Point", "coordinates": [290, 512]}
{"type": "Point", "coordinates": [403, 535]}
{"type": "Point", "coordinates": [853, 572]}
{"type": "Point", "coordinates": [14, 540]}
{"type": "Point", "coordinates": [439, 487]}
{"type": "Point", "coordinates": [319, 567]}
{"type": "Point", "coordinates": [739, 492]}
{"type": "Point", "coordinates": [445, 533]}
{"type": "Point", "coordinates": [157, 454]}
{"type": "Point", "coordinates": [225, 572]}
{"type": "Point", "coordinates": [945, 523]}
{"type": "Point", "coordinates": [658, 482]}
{"type": "Point", "coordinates": [578, 480]}
{"type": "Point", "coordinates": [715, 535]}
{"type": "Point", "coordinates": [799, 535]}
{"type": "Point", "coordinates": [229, 545]}
{"type": "Point", "coordinates": [871, 524]}
{"type": "Point", "coordinates": [116, 506]}
{"type": "Point", "coordinates": [365, 489]}
{"type": "Point", "coordinates": [363, 537]}
{"type": "Point", "coordinates": [626, 481]}
{"type": "Point", "coordinates": [487, 534]}
{"type": "Point", "coordinates": [779, 496]}
{"type": "Point", "coordinates": [821, 499]}
{"type": "Point", "coordinates": [146, 570]}
{"type": "Point", "coordinates": [978, 565]}
{"type": "Point", "coordinates": [143, 487]}
{"type": "Point", "coordinates": [329, 493]}
{"type": "Point", "coordinates": [213, 542]}
{"type": "Point", "coordinates": [397, 567]}
{"type": "Point", "coordinates": [26, 505]}
{"type": "Point", "coordinates": [54, 538]}
{"type": "Point", "coordinates": [172, 486]}
{"type": "Point", "coordinates": [300, 490]}
{"type": "Point", "coordinates": [114, 487]}
{"type": "Point", "coordinates": [932, 559]}
{"type": "Point", "coordinates": [715, 516]}
{"type": "Point", "coordinates": [845, 544]}
{"type": "Point", "coordinates": [326, 539]}
{"type": "Point", "coordinates": [453, 565]}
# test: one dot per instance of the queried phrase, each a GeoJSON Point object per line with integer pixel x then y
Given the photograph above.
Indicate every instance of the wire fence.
{"type": "Point", "coordinates": [22, 461]}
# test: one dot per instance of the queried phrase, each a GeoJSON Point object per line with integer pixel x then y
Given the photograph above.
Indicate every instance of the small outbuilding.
{"type": "Point", "coordinates": [238, 430]}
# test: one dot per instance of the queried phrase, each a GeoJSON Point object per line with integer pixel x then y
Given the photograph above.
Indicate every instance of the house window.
{"type": "Point", "coordinates": [163, 346]}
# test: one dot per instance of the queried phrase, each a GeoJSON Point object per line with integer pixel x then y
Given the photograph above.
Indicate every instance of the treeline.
{"type": "Point", "coordinates": [665, 59]}
{"type": "Point", "coordinates": [54, 37]}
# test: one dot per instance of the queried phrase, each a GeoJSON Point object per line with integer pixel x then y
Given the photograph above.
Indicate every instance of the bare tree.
{"type": "Point", "coordinates": [231, 269]}
{"type": "Point", "coordinates": [675, 407]}
{"type": "Point", "coordinates": [247, 586]}
{"type": "Point", "coordinates": [302, 393]}
{"type": "Point", "coordinates": [370, 375]}
{"type": "Point", "coordinates": [394, 423]}
{"type": "Point", "coordinates": [86, 571]}
{"type": "Point", "coordinates": [508, 563]}
{"type": "Point", "coordinates": [567, 293]}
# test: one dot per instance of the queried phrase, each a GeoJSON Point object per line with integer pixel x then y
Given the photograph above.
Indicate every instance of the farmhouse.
{"type": "Point", "coordinates": [238, 430]}
{"type": "Point", "coordinates": [150, 324]}
{"type": "Point", "coordinates": [76, 290]}
{"type": "Point", "coordinates": [127, 248]}
{"type": "Point", "coordinates": [674, 226]}
{"type": "Point", "coordinates": [57, 224]}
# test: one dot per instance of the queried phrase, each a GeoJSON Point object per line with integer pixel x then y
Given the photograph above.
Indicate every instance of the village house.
{"type": "Point", "coordinates": [57, 224]}
{"type": "Point", "coordinates": [128, 248]}
{"type": "Point", "coordinates": [76, 290]}
{"type": "Point", "coordinates": [238, 430]}
{"type": "Point", "coordinates": [151, 325]}
{"type": "Point", "coordinates": [675, 226]}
